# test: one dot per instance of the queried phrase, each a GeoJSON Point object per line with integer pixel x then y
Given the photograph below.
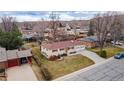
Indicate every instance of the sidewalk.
{"type": "Point", "coordinates": [93, 56]}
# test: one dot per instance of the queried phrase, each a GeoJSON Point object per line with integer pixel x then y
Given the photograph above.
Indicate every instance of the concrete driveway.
{"type": "Point", "coordinates": [21, 73]}
{"type": "Point", "coordinates": [93, 56]}
{"type": "Point", "coordinates": [122, 46]}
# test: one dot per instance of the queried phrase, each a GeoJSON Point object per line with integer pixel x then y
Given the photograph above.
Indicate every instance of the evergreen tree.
{"type": "Point", "coordinates": [91, 32]}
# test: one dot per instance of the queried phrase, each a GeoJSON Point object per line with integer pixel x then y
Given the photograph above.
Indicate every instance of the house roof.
{"type": "Point", "coordinates": [12, 54]}
{"type": "Point", "coordinates": [24, 53]}
{"type": "Point", "coordinates": [3, 55]}
{"type": "Point", "coordinates": [62, 44]}
{"type": "Point", "coordinates": [89, 39]}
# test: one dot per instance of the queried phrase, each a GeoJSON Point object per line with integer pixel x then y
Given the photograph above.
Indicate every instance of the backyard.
{"type": "Point", "coordinates": [62, 67]}
{"type": "Point", "coordinates": [110, 51]}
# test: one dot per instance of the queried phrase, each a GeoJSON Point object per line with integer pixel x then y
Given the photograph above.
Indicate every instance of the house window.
{"type": "Point", "coordinates": [71, 47]}
{"type": "Point", "coordinates": [61, 49]}
{"type": "Point", "coordinates": [54, 50]}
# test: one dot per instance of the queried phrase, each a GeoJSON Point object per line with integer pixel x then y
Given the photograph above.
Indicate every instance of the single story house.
{"type": "Point", "coordinates": [90, 41]}
{"type": "Point", "coordinates": [10, 58]}
{"type": "Point", "coordinates": [60, 48]}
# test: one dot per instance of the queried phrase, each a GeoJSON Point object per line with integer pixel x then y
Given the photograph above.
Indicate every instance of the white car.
{"type": "Point", "coordinates": [116, 43]}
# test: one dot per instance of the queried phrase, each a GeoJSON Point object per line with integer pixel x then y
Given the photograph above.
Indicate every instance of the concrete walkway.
{"type": "Point", "coordinates": [21, 73]}
{"type": "Point", "coordinates": [93, 56]}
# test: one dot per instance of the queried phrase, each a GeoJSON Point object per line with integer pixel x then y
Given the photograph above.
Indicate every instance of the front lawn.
{"type": "Point", "coordinates": [110, 51]}
{"type": "Point", "coordinates": [65, 66]}
{"type": "Point", "coordinates": [30, 45]}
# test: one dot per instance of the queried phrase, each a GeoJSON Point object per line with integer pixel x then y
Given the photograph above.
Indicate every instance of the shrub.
{"type": "Point", "coordinates": [53, 58]}
{"type": "Point", "coordinates": [46, 74]}
{"type": "Point", "coordinates": [103, 54]}
{"type": "Point", "coordinates": [2, 70]}
{"type": "Point", "coordinates": [33, 45]}
{"type": "Point", "coordinates": [62, 55]}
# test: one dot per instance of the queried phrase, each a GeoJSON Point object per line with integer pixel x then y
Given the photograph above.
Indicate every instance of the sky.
{"type": "Point", "coordinates": [38, 15]}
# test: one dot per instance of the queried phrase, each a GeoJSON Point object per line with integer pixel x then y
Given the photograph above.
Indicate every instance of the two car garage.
{"type": "Point", "coordinates": [17, 62]}
{"type": "Point", "coordinates": [17, 58]}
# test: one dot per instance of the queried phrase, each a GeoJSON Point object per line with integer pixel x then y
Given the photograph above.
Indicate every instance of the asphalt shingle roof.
{"type": "Point", "coordinates": [90, 39]}
{"type": "Point", "coordinates": [62, 44]}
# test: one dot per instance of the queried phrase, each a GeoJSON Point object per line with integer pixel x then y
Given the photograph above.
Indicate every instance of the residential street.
{"type": "Point", "coordinates": [21, 73]}
{"type": "Point", "coordinates": [93, 56]}
{"type": "Point", "coordinates": [110, 70]}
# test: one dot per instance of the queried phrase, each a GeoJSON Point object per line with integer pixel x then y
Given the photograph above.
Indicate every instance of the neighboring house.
{"type": "Point", "coordinates": [10, 58]}
{"type": "Point", "coordinates": [60, 48]}
{"type": "Point", "coordinates": [78, 31]}
{"type": "Point", "coordinates": [48, 32]}
{"type": "Point", "coordinates": [82, 33]}
{"type": "Point", "coordinates": [90, 41]}
{"type": "Point", "coordinates": [3, 58]}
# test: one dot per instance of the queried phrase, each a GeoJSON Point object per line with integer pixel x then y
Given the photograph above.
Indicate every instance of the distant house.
{"type": "Point", "coordinates": [77, 31]}
{"type": "Point", "coordinates": [60, 48]}
{"type": "Point", "coordinates": [90, 41]}
{"type": "Point", "coordinates": [12, 58]}
{"type": "Point", "coordinates": [82, 33]}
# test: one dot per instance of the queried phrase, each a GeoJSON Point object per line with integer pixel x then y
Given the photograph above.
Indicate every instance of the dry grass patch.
{"type": "Point", "coordinates": [68, 65]}
{"type": "Point", "coordinates": [110, 51]}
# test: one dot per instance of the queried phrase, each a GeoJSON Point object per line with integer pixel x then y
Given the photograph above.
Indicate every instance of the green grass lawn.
{"type": "Point", "coordinates": [65, 66]}
{"type": "Point", "coordinates": [111, 51]}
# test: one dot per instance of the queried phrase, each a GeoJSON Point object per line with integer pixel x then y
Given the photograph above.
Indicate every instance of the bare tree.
{"type": "Point", "coordinates": [75, 25]}
{"type": "Point", "coordinates": [28, 26]}
{"type": "Point", "coordinates": [90, 31]}
{"type": "Point", "coordinates": [8, 23]}
{"type": "Point", "coordinates": [102, 26]}
{"type": "Point", "coordinates": [116, 30]}
{"type": "Point", "coordinates": [42, 27]}
{"type": "Point", "coordinates": [54, 24]}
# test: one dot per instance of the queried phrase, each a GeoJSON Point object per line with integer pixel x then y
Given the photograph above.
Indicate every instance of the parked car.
{"type": "Point", "coordinates": [116, 43]}
{"type": "Point", "coordinates": [119, 56]}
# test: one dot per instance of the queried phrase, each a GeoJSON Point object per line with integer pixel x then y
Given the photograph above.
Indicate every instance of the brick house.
{"type": "Point", "coordinates": [90, 41]}
{"type": "Point", "coordinates": [60, 48]}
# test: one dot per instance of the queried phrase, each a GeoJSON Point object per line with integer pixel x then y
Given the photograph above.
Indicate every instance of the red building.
{"type": "Point", "coordinates": [12, 58]}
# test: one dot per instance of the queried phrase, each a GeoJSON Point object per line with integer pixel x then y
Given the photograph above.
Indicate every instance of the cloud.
{"type": "Point", "coordinates": [66, 17]}
{"type": "Point", "coordinates": [22, 18]}
{"type": "Point", "coordinates": [37, 15]}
